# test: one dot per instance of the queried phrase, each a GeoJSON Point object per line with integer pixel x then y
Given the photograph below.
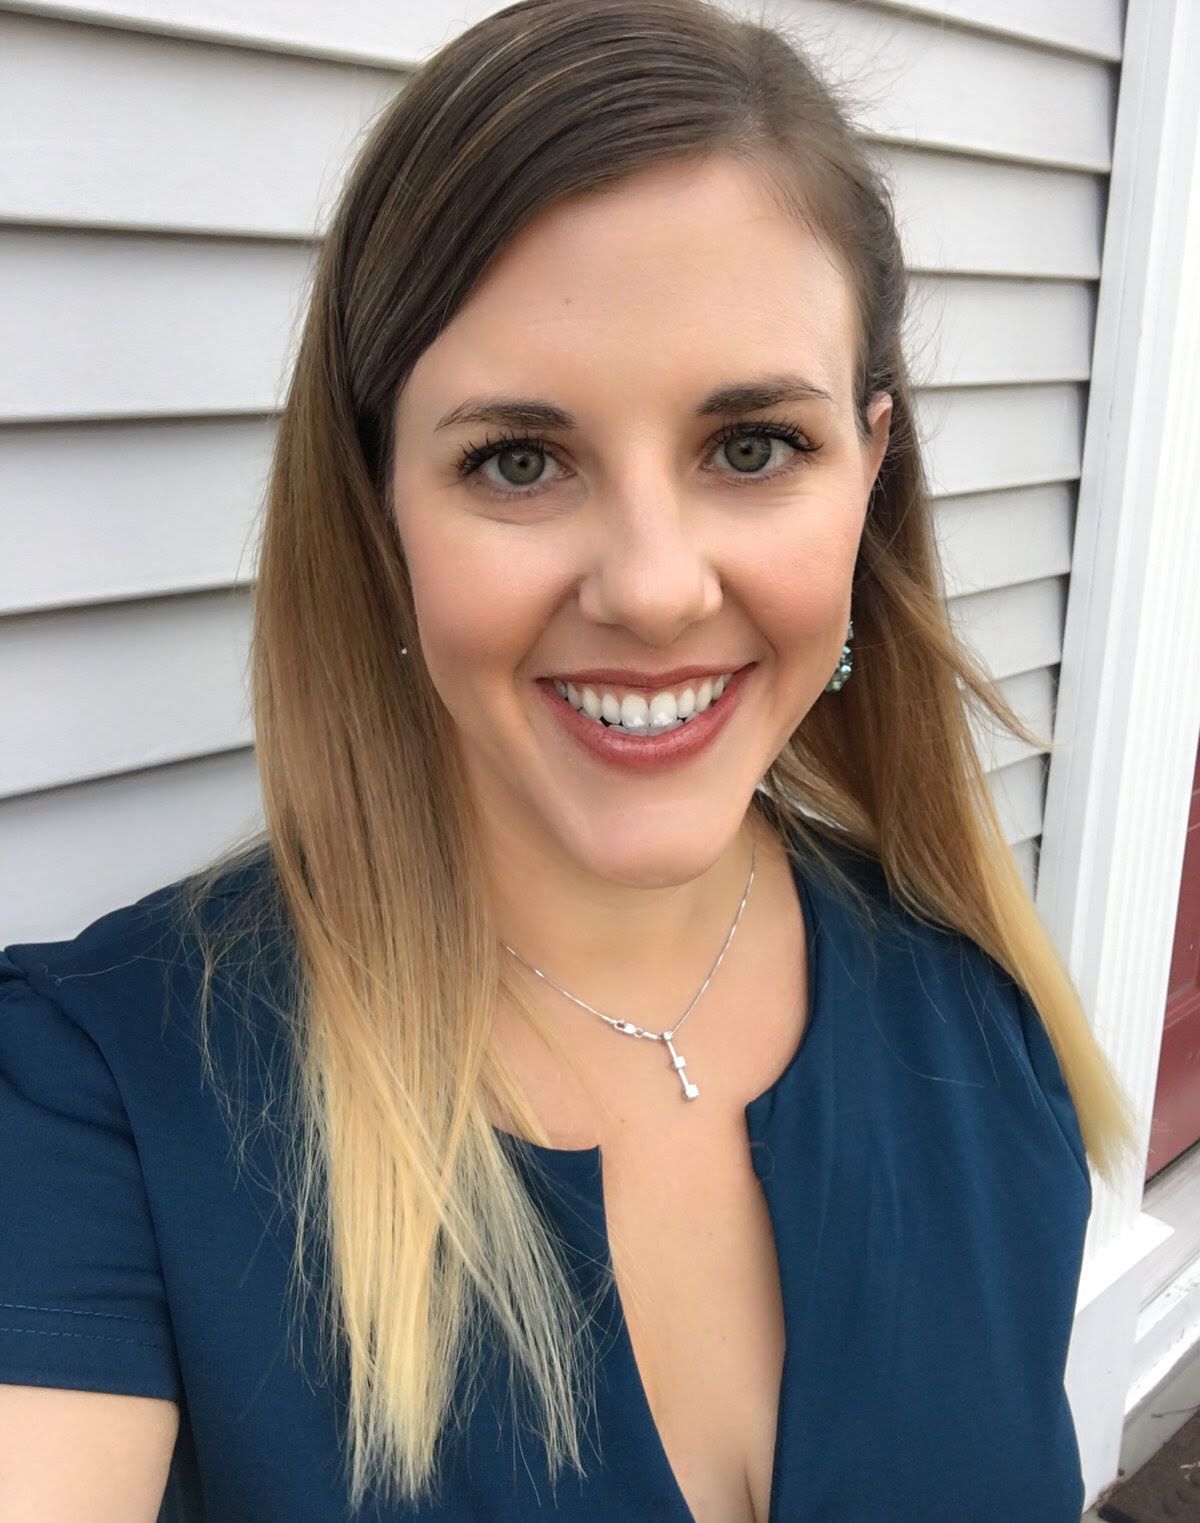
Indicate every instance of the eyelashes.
{"type": "Point", "coordinates": [475, 456]}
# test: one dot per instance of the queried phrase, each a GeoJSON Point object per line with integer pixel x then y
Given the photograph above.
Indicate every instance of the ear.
{"type": "Point", "coordinates": [879, 420]}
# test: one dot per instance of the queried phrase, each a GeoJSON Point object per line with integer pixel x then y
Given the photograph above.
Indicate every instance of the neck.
{"type": "Point", "coordinates": [621, 948]}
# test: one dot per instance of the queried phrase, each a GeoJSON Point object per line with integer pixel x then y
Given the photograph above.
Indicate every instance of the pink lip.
{"type": "Point", "coordinates": [626, 676]}
{"type": "Point", "coordinates": [652, 755]}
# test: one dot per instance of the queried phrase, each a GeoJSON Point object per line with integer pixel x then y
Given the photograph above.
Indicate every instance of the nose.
{"type": "Point", "coordinates": [652, 572]}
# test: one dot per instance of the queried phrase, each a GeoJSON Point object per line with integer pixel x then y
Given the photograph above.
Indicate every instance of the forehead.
{"type": "Point", "coordinates": [678, 275]}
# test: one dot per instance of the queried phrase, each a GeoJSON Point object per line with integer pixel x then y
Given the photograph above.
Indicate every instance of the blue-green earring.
{"type": "Point", "coordinates": [845, 665]}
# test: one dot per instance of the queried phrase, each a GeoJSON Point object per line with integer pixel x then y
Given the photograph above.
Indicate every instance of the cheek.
{"type": "Point", "coordinates": [476, 619]}
{"type": "Point", "coordinates": [799, 590]}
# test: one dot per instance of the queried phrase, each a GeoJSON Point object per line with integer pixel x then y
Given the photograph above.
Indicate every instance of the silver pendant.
{"type": "Point", "coordinates": [690, 1091]}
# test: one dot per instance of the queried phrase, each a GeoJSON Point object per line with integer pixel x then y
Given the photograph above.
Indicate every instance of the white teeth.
{"type": "Point", "coordinates": [662, 709]}
{"type": "Point", "coordinates": [634, 714]}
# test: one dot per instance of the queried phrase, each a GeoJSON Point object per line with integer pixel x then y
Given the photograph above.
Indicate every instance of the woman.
{"type": "Point", "coordinates": [602, 685]}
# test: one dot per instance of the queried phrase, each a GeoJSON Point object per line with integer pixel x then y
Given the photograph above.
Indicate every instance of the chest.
{"type": "Point", "coordinates": [695, 1260]}
{"type": "Point", "coordinates": [696, 1270]}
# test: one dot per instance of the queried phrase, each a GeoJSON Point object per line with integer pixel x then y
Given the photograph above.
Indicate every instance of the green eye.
{"type": "Point", "coordinates": [475, 456]}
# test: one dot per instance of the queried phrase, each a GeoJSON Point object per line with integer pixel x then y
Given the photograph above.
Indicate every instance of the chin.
{"type": "Point", "coordinates": [642, 851]}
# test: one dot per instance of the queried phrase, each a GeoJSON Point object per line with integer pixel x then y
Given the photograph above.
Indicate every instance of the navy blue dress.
{"type": "Point", "coordinates": [920, 1157]}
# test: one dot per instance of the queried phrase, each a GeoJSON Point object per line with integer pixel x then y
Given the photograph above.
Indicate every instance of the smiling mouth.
{"type": "Point", "coordinates": [639, 716]}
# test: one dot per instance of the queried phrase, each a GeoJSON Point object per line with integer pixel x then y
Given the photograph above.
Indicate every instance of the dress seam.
{"type": "Point", "coordinates": [43, 1332]}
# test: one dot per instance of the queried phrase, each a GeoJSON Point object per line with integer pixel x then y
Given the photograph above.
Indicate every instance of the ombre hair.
{"type": "Point", "coordinates": [374, 887]}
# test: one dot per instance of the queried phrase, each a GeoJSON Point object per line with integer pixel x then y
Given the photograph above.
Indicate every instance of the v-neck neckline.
{"type": "Point", "coordinates": [584, 1169]}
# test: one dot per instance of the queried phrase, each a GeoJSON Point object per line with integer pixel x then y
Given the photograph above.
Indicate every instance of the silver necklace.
{"type": "Point", "coordinates": [627, 1028]}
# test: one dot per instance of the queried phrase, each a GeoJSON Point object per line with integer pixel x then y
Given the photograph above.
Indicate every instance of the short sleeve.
{"type": "Point", "coordinates": [82, 1301]}
{"type": "Point", "coordinates": [1048, 1073]}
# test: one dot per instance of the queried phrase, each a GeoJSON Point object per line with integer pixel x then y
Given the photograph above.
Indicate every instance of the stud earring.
{"type": "Point", "coordinates": [404, 650]}
{"type": "Point", "coordinates": [845, 665]}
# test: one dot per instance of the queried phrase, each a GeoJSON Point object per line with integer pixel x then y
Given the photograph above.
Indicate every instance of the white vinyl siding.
{"type": "Point", "coordinates": [166, 171]}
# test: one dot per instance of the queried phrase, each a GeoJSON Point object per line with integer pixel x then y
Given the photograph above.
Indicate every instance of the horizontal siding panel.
{"type": "Point", "coordinates": [139, 510]}
{"type": "Point", "coordinates": [945, 87]}
{"type": "Point", "coordinates": [1093, 27]}
{"type": "Point", "coordinates": [1025, 854]}
{"type": "Point", "coordinates": [1019, 792]}
{"type": "Point", "coordinates": [405, 30]}
{"type": "Point", "coordinates": [71, 854]}
{"type": "Point", "coordinates": [398, 33]}
{"type": "Point", "coordinates": [972, 332]}
{"type": "Point", "coordinates": [984, 217]}
{"type": "Point", "coordinates": [1032, 695]}
{"type": "Point", "coordinates": [103, 690]}
{"type": "Point", "coordinates": [270, 136]}
{"type": "Point", "coordinates": [997, 539]}
{"type": "Point", "coordinates": [984, 438]}
{"type": "Point", "coordinates": [108, 689]}
{"type": "Point", "coordinates": [134, 510]}
{"type": "Point", "coordinates": [99, 325]}
{"type": "Point", "coordinates": [1013, 629]}
{"type": "Point", "coordinates": [209, 326]}
{"type": "Point", "coordinates": [956, 213]}
{"type": "Point", "coordinates": [129, 510]}
{"type": "Point", "coordinates": [270, 139]}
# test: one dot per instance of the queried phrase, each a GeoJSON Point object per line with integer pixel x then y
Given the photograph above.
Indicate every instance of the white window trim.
{"type": "Point", "coordinates": [1128, 712]}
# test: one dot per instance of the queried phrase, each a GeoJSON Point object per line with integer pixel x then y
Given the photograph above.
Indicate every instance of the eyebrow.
{"type": "Point", "coordinates": [738, 396]}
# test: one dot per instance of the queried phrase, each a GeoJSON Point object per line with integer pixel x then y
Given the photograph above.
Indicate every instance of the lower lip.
{"type": "Point", "coordinates": [652, 754]}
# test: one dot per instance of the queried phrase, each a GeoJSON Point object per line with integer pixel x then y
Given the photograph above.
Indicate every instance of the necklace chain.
{"type": "Point", "coordinates": [628, 1028]}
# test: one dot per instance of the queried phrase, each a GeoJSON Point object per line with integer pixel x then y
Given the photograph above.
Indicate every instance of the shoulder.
{"type": "Point", "coordinates": [129, 973]}
{"type": "Point", "coordinates": [852, 900]}
{"type": "Point", "coordinates": [120, 1208]}
{"type": "Point", "coordinates": [940, 1024]}
{"type": "Point", "coordinates": [873, 927]}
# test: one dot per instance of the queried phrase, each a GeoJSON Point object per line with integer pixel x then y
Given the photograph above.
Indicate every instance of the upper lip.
{"type": "Point", "coordinates": [627, 676]}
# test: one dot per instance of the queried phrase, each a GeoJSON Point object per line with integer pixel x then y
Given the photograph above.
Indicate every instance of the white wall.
{"type": "Point", "coordinates": [165, 171]}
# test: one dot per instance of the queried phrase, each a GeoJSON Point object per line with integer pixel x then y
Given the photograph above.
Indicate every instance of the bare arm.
{"type": "Point", "coordinates": [83, 1456]}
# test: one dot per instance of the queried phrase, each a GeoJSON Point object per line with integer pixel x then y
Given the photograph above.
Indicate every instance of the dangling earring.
{"type": "Point", "coordinates": [845, 665]}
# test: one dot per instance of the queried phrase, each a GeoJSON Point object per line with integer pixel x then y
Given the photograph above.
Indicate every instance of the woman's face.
{"type": "Point", "coordinates": [574, 495]}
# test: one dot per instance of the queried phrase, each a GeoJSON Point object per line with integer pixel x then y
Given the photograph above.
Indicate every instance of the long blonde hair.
{"type": "Point", "coordinates": [373, 879]}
